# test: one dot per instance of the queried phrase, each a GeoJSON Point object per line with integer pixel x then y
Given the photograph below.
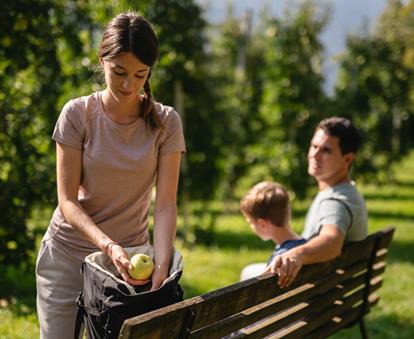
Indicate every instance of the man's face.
{"type": "Point", "coordinates": [325, 161]}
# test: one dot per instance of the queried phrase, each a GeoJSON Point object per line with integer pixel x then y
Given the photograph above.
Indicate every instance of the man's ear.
{"type": "Point", "coordinates": [349, 158]}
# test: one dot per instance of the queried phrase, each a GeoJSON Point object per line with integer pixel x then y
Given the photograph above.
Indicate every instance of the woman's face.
{"type": "Point", "coordinates": [125, 76]}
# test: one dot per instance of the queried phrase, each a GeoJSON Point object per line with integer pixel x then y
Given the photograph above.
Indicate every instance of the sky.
{"type": "Point", "coordinates": [347, 16]}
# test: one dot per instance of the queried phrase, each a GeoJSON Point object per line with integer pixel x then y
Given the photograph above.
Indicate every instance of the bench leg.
{"type": "Point", "coordinates": [363, 329]}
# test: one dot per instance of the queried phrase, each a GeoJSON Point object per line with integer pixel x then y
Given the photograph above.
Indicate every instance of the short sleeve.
{"type": "Point", "coordinates": [335, 212]}
{"type": "Point", "coordinates": [70, 128]}
{"type": "Point", "coordinates": [173, 137]}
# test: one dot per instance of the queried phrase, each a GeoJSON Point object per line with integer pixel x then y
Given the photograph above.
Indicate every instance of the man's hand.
{"type": "Point", "coordinates": [286, 266]}
{"type": "Point", "coordinates": [324, 247]}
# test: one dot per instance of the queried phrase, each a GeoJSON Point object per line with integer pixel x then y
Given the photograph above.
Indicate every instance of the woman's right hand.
{"type": "Point", "coordinates": [122, 263]}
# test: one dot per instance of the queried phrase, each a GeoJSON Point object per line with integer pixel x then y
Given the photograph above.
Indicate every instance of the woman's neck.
{"type": "Point", "coordinates": [123, 113]}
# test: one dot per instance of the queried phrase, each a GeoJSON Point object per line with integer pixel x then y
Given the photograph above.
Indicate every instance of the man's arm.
{"type": "Point", "coordinates": [324, 247]}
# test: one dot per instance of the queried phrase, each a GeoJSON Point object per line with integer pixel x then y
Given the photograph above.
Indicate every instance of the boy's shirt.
{"type": "Point", "coordinates": [285, 246]}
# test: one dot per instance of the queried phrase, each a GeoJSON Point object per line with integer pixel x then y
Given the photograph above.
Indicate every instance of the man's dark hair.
{"type": "Point", "coordinates": [342, 128]}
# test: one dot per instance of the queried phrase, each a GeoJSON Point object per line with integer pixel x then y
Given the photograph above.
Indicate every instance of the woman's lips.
{"type": "Point", "coordinates": [127, 94]}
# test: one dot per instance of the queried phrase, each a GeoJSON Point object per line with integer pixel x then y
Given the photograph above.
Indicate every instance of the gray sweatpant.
{"type": "Point", "coordinates": [58, 282]}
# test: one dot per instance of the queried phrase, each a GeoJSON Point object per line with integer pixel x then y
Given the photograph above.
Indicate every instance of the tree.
{"type": "Point", "coordinates": [41, 56]}
{"type": "Point", "coordinates": [238, 67]}
{"type": "Point", "coordinates": [293, 99]}
{"type": "Point", "coordinates": [375, 88]}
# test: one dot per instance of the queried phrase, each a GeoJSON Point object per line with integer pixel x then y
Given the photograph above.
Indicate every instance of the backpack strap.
{"type": "Point", "coordinates": [79, 316]}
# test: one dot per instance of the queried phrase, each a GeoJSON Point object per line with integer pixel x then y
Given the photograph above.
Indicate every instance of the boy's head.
{"type": "Point", "coordinates": [268, 201]}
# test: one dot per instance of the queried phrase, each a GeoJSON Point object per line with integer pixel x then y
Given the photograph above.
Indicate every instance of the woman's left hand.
{"type": "Point", "coordinates": [158, 277]}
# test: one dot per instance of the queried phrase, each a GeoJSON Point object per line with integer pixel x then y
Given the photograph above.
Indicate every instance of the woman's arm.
{"type": "Point", "coordinates": [68, 168]}
{"type": "Point", "coordinates": [165, 215]}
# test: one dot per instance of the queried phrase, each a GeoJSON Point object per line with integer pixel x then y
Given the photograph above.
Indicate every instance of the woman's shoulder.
{"type": "Point", "coordinates": [168, 115]}
{"type": "Point", "coordinates": [82, 103]}
{"type": "Point", "coordinates": [82, 107]}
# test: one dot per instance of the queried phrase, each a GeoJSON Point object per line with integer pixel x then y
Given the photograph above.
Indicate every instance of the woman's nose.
{"type": "Point", "coordinates": [127, 83]}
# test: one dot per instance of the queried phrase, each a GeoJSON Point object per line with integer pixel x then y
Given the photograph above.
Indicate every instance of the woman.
{"type": "Point", "coordinates": [112, 146]}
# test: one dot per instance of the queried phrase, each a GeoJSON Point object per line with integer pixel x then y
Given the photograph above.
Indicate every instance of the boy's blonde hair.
{"type": "Point", "coordinates": [267, 200]}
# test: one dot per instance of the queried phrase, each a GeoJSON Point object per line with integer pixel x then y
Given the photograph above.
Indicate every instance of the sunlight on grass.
{"type": "Point", "coordinates": [18, 327]}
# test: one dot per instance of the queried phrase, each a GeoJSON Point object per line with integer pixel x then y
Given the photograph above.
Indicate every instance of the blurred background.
{"type": "Point", "coordinates": [250, 79]}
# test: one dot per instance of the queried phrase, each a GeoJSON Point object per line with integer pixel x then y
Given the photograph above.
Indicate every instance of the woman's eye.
{"type": "Point", "coordinates": [140, 76]}
{"type": "Point", "coordinates": [120, 74]}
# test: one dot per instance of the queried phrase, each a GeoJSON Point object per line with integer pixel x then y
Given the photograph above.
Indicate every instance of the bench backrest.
{"type": "Point", "coordinates": [323, 298]}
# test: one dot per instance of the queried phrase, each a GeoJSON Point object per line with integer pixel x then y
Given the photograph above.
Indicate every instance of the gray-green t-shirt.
{"type": "Point", "coordinates": [341, 205]}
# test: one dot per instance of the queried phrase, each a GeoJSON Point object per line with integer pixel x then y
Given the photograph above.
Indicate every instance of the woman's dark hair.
{"type": "Point", "coordinates": [342, 128]}
{"type": "Point", "coordinates": [129, 32]}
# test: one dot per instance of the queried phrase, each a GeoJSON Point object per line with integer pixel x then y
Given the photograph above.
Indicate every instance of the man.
{"type": "Point", "coordinates": [338, 211]}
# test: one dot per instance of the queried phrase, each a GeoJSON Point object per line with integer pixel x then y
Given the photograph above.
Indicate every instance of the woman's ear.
{"type": "Point", "coordinates": [101, 61]}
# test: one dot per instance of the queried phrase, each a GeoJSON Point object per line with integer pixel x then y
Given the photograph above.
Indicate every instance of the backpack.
{"type": "Point", "coordinates": [106, 300]}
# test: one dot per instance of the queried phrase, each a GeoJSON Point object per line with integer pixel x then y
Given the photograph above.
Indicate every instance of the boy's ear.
{"type": "Point", "coordinates": [262, 223]}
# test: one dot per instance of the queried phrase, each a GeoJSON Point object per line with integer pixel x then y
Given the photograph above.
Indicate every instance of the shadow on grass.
{"type": "Point", "coordinates": [404, 183]}
{"type": "Point", "coordinates": [403, 216]}
{"type": "Point", "coordinates": [401, 251]}
{"type": "Point", "coordinates": [232, 240]}
{"type": "Point", "coordinates": [18, 288]}
{"type": "Point", "coordinates": [398, 184]}
{"type": "Point", "coordinates": [191, 291]}
{"type": "Point", "coordinates": [392, 215]}
{"type": "Point", "coordinates": [384, 196]}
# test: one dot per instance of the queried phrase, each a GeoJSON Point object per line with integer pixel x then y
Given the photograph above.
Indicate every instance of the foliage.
{"type": "Point", "coordinates": [293, 100]}
{"type": "Point", "coordinates": [375, 88]}
{"type": "Point", "coordinates": [249, 96]}
{"type": "Point", "coordinates": [35, 38]}
{"type": "Point", "coordinates": [239, 71]}
{"type": "Point", "coordinates": [182, 80]}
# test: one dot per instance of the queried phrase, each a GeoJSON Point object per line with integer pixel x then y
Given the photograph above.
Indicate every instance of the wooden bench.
{"type": "Point", "coordinates": [323, 299]}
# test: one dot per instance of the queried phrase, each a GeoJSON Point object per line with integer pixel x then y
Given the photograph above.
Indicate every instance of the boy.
{"type": "Point", "coordinates": [266, 208]}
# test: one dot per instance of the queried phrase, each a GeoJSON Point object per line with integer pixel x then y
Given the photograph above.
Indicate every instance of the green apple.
{"type": "Point", "coordinates": [142, 267]}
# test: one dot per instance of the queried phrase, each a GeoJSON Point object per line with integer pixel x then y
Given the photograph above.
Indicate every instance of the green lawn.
{"type": "Point", "coordinates": [234, 245]}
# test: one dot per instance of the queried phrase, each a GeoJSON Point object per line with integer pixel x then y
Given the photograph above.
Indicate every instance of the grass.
{"type": "Point", "coordinates": [233, 245]}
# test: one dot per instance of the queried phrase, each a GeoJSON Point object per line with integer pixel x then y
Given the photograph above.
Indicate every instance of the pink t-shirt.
{"type": "Point", "coordinates": [119, 167]}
